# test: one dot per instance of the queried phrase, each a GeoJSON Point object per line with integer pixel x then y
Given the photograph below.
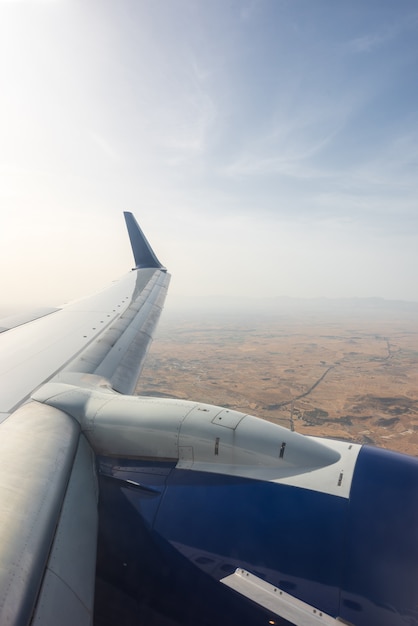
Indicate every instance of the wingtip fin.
{"type": "Point", "coordinates": [144, 255]}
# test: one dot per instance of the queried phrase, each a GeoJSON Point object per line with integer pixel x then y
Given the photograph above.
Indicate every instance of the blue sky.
{"type": "Point", "coordinates": [266, 147]}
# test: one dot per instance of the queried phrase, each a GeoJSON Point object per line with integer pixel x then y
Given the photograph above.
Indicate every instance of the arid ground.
{"type": "Point", "coordinates": [349, 377]}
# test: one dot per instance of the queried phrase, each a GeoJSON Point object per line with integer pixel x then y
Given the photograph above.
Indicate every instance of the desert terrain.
{"type": "Point", "coordinates": [352, 377]}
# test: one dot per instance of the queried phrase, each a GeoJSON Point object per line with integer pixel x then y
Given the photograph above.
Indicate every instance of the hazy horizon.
{"type": "Point", "coordinates": [240, 307]}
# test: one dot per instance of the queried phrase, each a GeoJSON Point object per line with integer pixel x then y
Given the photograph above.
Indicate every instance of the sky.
{"type": "Point", "coordinates": [266, 147]}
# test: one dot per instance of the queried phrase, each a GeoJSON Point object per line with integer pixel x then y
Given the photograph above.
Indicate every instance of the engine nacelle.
{"type": "Point", "coordinates": [332, 526]}
{"type": "Point", "coordinates": [203, 437]}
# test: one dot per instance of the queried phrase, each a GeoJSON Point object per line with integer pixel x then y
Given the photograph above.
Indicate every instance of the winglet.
{"type": "Point", "coordinates": [143, 253]}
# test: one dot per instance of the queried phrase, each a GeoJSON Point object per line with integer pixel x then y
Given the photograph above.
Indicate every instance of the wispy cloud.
{"type": "Point", "coordinates": [184, 129]}
{"type": "Point", "coordinates": [294, 120]}
{"type": "Point", "coordinates": [370, 41]}
{"type": "Point", "coordinates": [248, 10]}
{"type": "Point", "coordinates": [291, 156]}
{"type": "Point", "coordinates": [104, 146]}
{"type": "Point", "coordinates": [385, 33]}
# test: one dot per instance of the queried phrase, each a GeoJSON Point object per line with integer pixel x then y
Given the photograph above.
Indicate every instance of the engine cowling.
{"type": "Point", "coordinates": [333, 525]}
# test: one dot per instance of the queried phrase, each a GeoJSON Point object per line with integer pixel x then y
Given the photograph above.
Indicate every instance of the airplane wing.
{"type": "Point", "coordinates": [47, 465]}
{"type": "Point", "coordinates": [107, 334]}
{"type": "Point", "coordinates": [119, 509]}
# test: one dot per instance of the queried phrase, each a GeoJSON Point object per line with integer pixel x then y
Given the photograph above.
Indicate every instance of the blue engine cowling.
{"type": "Point", "coordinates": [200, 491]}
{"type": "Point", "coordinates": [355, 559]}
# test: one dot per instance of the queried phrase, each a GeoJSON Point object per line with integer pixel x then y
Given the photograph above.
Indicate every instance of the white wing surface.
{"type": "Point", "coordinates": [107, 334]}
{"type": "Point", "coordinates": [48, 482]}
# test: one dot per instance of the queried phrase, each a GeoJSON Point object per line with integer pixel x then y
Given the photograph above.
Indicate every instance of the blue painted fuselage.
{"type": "Point", "coordinates": [355, 558]}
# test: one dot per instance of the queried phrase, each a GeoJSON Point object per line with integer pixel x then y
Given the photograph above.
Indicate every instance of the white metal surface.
{"type": "Point", "coordinates": [334, 479]}
{"type": "Point", "coordinates": [37, 449]}
{"type": "Point", "coordinates": [48, 487]}
{"type": "Point", "coordinates": [277, 601]}
{"type": "Point", "coordinates": [194, 435]}
{"type": "Point", "coordinates": [121, 425]}
{"type": "Point", "coordinates": [67, 594]}
{"type": "Point", "coordinates": [97, 331]}
{"type": "Point", "coordinates": [11, 321]}
{"type": "Point", "coordinates": [265, 451]}
{"type": "Point", "coordinates": [32, 353]}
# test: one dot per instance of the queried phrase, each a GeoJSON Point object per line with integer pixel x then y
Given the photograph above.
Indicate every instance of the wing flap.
{"type": "Point", "coordinates": [12, 321]}
{"type": "Point", "coordinates": [30, 501]}
{"type": "Point", "coordinates": [118, 354]}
